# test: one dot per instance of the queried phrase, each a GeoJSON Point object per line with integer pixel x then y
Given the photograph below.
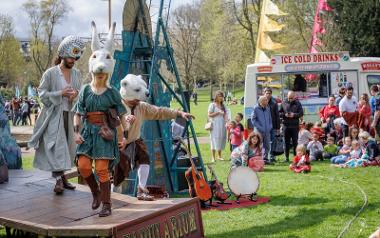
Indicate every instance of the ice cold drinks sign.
{"type": "Point", "coordinates": [332, 57]}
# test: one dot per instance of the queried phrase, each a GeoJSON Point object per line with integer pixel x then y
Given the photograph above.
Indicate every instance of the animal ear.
{"type": "Point", "coordinates": [95, 42]}
{"type": "Point", "coordinates": [108, 45]}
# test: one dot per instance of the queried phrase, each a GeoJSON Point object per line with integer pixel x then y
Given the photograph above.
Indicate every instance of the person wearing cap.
{"type": "Point", "coordinates": [276, 124]}
{"type": "Point", "coordinates": [53, 132]}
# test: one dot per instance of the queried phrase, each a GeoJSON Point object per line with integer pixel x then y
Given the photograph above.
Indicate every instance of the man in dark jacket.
{"type": "Point", "coordinates": [291, 111]}
{"type": "Point", "coordinates": [272, 104]}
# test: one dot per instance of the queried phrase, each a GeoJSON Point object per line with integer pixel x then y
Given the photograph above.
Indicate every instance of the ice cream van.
{"type": "Point", "coordinates": [313, 76]}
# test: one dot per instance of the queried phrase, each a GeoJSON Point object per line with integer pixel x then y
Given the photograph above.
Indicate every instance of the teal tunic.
{"type": "Point", "coordinates": [94, 146]}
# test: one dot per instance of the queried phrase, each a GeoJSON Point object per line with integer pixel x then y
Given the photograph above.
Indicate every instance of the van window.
{"type": "Point", "coordinates": [307, 85]}
{"type": "Point", "coordinates": [373, 80]}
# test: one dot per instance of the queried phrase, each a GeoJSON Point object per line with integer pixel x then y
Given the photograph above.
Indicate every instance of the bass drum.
{"type": "Point", "coordinates": [243, 181]}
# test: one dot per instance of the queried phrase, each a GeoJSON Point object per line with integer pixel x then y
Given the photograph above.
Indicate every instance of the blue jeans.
{"type": "Point", "coordinates": [339, 159]}
{"type": "Point", "coordinates": [267, 138]}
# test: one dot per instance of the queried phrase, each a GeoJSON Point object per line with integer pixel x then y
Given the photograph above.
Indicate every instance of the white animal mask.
{"type": "Point", "coordinates": [133, 87]}
{"type": "Point", "coordinates": [101, 60]}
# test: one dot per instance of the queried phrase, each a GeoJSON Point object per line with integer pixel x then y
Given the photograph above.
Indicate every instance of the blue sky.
{"type": "Point", "coordinates": [78, 19]}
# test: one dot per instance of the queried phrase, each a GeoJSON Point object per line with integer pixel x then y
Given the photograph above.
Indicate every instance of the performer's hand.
{"type": "Point", "coordinates": [130, 119]}
{"type": "Point", "coordinates": [67, 92]}
{"type": "Point", "coordinates": [122, 144]}
{"type": "Point", "coordinates": [186, 115]}
{"type": "Point", "coordinates": [74, 94]}
{"type": "Point", "coordinates": [373, 125]}
{"type": "Point", "coordinates": [78, 138]}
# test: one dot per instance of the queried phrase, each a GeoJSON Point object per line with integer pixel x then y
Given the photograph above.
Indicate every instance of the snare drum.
{"type": "Point", "coordinates": [243, 181]}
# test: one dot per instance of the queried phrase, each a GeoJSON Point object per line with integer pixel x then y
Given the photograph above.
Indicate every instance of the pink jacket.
{"type": "Point", "coordinates": [236, 136]}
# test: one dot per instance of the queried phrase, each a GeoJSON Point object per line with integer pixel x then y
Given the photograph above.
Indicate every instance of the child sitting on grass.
{"type": "Point", "coordinates": [317, 128]}
{"type": "Point", "coordinates": [249, 153]}
{"type": "Point", "coordinates": [355, 159]}
{"type": "Point", "coordinates": [315, 148]}
{"type": "Point", "coordinates": [301, 163]}
{"type": "Point", "coordinates": [330, 150]}
{"type": "Point", "coordinates": [344, 152]}
{"type": "Point", "coordinates": [304, 135]}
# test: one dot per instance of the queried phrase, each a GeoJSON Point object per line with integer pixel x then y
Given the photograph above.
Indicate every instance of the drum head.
{"type": "Point", "coordinates": [243, 181]}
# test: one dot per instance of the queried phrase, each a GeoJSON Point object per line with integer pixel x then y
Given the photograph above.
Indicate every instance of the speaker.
{"type": "Point", "coordinates": [184, 161]}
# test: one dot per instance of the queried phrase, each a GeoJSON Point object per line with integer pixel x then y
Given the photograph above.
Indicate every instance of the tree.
{"type": "Point", "coordinates": [43, 18]}
{"type": "Point", "coordinates": [247, 14]}
{"type": "Point", "coordinates": [225, 47]}
{"type": "Point", "coordinates": [11, 59]}
{"type": "Point", "coordinates": [357, 23]}
{"type": "Point", "coordinates": [185, 35]}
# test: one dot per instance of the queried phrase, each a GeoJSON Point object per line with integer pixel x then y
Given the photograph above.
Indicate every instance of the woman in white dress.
{"type": "Point", "coordinates": [218, 135]}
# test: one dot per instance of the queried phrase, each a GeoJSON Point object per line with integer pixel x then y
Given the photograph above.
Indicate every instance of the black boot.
{"type": "Point", "coordinates": [66, 183]}
{"type": "Point", "coordinates": [105, 194]}
{"type": "Point", "coordinates": [93, 184]}
{"type": "Point", "coordinates": [58, 188]}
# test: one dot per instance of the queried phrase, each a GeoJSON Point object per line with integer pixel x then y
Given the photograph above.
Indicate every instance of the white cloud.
{"type": "Point", "coordinates": [78, 20]}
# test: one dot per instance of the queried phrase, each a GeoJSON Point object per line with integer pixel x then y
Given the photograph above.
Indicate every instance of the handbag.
{"type": "Point", "coordinates": [208, 126]}
{"type": "Point", "coordinates": [278, 145]}
{"type": "Point", "coordinates": [105, 131]}
{"type": "Point", "coordinates": [113, 118]}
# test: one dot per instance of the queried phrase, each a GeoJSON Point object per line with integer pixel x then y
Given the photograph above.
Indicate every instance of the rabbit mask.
{"type": "Point", "coordinates": [101, 60]}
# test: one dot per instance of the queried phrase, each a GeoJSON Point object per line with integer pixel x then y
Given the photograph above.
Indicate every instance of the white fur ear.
{"type": "Point", "coordinates": [95, 43]}
{"type": "Point", "coordinates": [108, 45]}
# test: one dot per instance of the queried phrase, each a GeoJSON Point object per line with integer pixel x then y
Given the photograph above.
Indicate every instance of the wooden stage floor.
{"type": "Point", "coordinates": [27, 203]}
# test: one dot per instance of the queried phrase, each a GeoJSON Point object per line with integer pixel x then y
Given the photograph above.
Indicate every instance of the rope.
{"type": "Point", "coordinates": [349, 223]}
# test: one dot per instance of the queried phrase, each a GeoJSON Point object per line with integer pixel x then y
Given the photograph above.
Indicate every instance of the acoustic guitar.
{"type": "Point", "coordinates": [198, 186]}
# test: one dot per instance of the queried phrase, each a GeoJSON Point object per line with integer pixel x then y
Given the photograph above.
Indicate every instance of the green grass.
{"type": "Point", "coordinates": [302, 205]}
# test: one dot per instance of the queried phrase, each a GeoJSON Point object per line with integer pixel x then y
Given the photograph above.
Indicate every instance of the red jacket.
{"type": "Point", "coordinates": [327, 111]}
{"type": "Point", "coordinates": [364, 117]}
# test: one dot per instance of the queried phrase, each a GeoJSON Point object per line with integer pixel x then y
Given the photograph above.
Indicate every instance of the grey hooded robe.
{"type": "Point", "coordinates": [54, 152]}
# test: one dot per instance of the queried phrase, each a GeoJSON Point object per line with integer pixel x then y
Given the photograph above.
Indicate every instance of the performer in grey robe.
{"type": "Point", "coordinates": [53, 134]}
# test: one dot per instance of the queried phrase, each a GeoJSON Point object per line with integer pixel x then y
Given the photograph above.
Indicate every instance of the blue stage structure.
{"type": "Point", "coordinates": [143, 55]}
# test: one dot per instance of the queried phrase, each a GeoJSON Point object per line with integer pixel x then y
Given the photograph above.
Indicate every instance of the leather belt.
{"type": "Point", "coordinates": [96, 118]}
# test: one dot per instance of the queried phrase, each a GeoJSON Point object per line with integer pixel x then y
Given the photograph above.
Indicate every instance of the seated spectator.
{"type": "Point", "coordinates": [354, 133]}
{"type": "Point", "coordinates": [315, 148]}
{"type": "Point", "coordinates": [369, 148]}
{"type": "Point", "coordinates": [249, 153]}
{"type": "Point", "coordinates": [337, 132]}
{"type": "Point", "coordinates": [344, 152]}
{"type": "Point", "coordinates": [301, 162]}
{"type": "Point", "coordinates": [304, 135]}
{"type": "Point", "coordinates": [330, 149]}
{"type": "Point", "coordinates": [317, 128]}
{"type": "Point", "coordinates": [355, 159]}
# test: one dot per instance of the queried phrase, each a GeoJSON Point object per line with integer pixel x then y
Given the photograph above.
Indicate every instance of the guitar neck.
{"type": "Point", "coordinates": [193, 164]}
{"type": "Point", "coordinates": [213, 172]}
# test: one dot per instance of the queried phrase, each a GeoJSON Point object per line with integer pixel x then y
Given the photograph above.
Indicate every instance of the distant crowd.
{"type": "Point", "coordinates": [21, 109]}
{"type": "Point", "coordinates": [345, 133]}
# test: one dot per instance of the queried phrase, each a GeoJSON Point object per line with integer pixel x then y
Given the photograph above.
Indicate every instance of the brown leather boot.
{"type": "Point", "coordinates": [66, 183]}
{"type": "Point", "coordinates": [93, 184]}
{"type": "Point", "coordinates": [105, 194]}
{"type": "Point", "coordinates": [58, 188]}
